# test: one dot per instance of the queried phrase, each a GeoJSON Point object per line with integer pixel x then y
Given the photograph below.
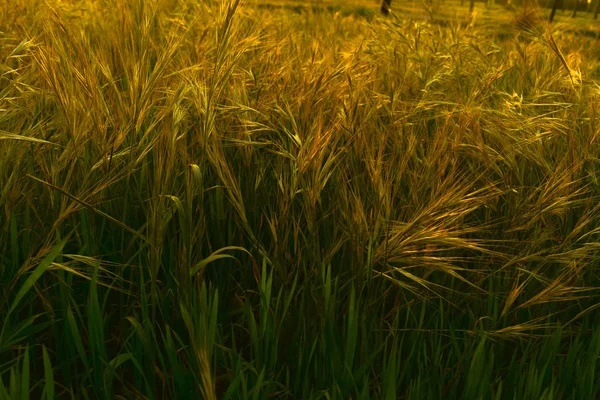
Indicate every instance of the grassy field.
{"type": "Point", "coordinates": [298, 200]}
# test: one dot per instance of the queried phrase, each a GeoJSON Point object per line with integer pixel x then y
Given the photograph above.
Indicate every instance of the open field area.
{"type": "Point", "coordinates": [298, 200]}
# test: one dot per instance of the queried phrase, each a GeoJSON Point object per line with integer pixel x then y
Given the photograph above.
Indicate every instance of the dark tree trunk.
{"type": "Point", "coordinates": [385, 6]}
{"type": "Point", "coordinates": [596, 9]}
{"type": "Point", "coordinates": [471, 6]}
{"type": "Point", "coordinates": [575, 9]}
{"type": "Point", "coordinates": [554, 5]}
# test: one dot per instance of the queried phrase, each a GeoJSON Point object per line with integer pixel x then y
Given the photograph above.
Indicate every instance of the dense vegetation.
{"type": "Point", "coordinates": [218, 200]}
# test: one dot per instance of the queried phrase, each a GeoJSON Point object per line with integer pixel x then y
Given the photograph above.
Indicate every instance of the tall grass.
{"type": "Point", "coordinates": [212, 200]}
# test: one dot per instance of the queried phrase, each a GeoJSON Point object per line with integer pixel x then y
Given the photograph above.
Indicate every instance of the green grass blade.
{"type": "Point", "coordinates": [48, 375]}
{"type": "Point", "coordinates": [25, 384]}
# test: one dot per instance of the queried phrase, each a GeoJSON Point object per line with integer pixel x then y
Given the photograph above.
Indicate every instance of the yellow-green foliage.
{"type": "Point", "coordinates": [155, 153]}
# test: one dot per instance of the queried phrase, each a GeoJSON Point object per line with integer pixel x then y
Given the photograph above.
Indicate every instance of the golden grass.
{"type": "Point", "coordinates": [429, 158]}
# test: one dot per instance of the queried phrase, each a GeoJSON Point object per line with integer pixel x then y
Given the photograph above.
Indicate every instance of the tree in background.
{"type": "Point", "coordinates": [554, 5]}
{"type": "Point", "coordinates": [385, 6]}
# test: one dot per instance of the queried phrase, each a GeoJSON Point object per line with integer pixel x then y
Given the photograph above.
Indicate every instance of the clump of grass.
{"type": "Point", "coordinates": [529, 18]}
{"type": "Point", "coordinates": [216, 198]}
